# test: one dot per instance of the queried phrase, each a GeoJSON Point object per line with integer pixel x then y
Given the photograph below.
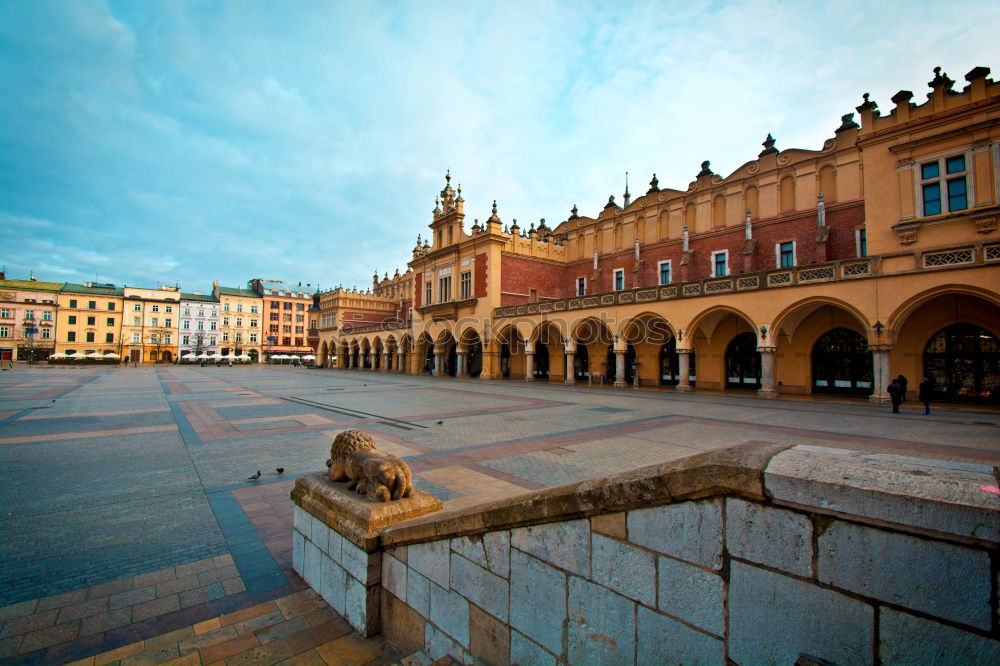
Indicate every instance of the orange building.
{"type": "Point", "coordinates": [286, 313]}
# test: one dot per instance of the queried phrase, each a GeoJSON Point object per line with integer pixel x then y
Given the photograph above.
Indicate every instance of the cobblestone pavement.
{"type": "Point", "coordinates": [128, 526]}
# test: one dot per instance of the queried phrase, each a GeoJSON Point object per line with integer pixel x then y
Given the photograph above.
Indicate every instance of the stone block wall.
{"type": "Point", "coordinates": [838, 555]}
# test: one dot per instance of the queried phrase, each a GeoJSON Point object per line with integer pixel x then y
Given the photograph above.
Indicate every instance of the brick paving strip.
{"type": "Point", "coordinates": [22, 439]}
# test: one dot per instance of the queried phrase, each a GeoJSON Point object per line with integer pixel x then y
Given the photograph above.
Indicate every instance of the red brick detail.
{"type": "Point", "coordinates": [519, 274]}
{"type": "Point", "coordinates": [418, 289]}
{"type": "Point", "coordinates": [479, 278]}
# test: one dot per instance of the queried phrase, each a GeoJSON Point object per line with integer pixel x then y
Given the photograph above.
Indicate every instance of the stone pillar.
{"type": "Point", "coordinates": [463, 363]}
{"type": "Point", "coordinates": [684, 369]}
{"type": "Point", "coordinates": [529, 364]}
{"type": "Point", "coordinates": [767, 389]}
{"type": "Point", "coordinates": [491, 364]}
{"type": "Point", "coordinates": [335, 544]}
{"type": "Point", "coordinates": [439, 361]}
{"type": "Point", "coordinates": [620, 368]}
{"type": "Point", "coordinates": [400, 362]}
{"type": "Point", "coordinates": [570, 377]}
{"type": "Point", "coordinates": [880, 375]}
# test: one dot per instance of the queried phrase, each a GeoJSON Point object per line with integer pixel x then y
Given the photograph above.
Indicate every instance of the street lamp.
{"type": "Point", "coordinates": [29, 328]}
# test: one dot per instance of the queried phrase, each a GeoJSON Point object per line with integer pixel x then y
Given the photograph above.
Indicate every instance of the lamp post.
{"type": "Point", "coordinates": [29, 328]}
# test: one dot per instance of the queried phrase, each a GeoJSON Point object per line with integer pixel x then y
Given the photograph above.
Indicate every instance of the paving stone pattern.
{"type": "Point", "coordinates": [126, 517]}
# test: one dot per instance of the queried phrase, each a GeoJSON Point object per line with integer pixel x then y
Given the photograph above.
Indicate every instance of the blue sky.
{"type": "Point", "coordinates": [186, 142]}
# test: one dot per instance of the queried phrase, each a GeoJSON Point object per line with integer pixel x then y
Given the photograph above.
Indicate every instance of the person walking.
{"type": "Point", "coordinates": [926, 389]}
{"type": "Point", "coordinates": [901, 380]}
{"type": "Point", "coordinates": [895, 395]}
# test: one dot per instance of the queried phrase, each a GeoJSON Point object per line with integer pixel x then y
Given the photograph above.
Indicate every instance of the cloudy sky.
{"type": "Point", "coordinates": [185, 142]}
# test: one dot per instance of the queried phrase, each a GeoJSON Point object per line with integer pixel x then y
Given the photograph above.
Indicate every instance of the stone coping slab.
{"type": "Point", "coordinates": [354, 515]}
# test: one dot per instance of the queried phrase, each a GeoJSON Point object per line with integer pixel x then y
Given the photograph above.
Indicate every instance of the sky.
{"type": "Point", "coordinates": [183, 142]}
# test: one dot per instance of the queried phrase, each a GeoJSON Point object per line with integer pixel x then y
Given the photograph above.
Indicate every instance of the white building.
{"type": "Point", "coordinates": [199, 324]}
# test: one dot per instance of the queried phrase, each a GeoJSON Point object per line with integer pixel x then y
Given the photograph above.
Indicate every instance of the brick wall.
{"type": "Point", "coordinates": [418, 289]}
{"type": "Point", "coordinates": [521, 274]}
{"type": "Point", "coordinates": [479, 277]}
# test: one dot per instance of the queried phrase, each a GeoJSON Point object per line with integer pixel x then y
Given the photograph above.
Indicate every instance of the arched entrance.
{"type": "Point", "coordinates": [166, 357]}
{"type": "Point", "coordinates": [964, 362]}
{"type": "Point", "coordinates": [670, 364]}
{"type": "Point", "coordinates": [611, 371]}
{"type": "Point", "coordinates": [541, 362]}
{"type": "Point", "coordinates": [841, 363]}
{"type": "Point", "coordinates": [377, 357]}
{"type": "Point", "coordinates": [254, 355]}
{"type": "Point", "coordinates": [743, 362]}
{"type": "Point", "coordinates": [473, 353]}
{"type": "Point", "coordinates": [451, 359]}
{"type": "Point", "coordinates": [581, 363]}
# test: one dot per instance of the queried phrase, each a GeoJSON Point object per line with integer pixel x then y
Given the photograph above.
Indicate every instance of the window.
{"type": "Point", "coordinates": [238, 337]}
{"type": "Point", "coordinates": [72, 319]}
{"type": "Point", "coordinates": [137, 307]}
{"type": "Point", "coordinates": [664, 271]}
{"type": "Point", "coordinates": [253, 337]}
{"type": "Point", "coordinates": [91, 321]}
{"type": "Point", "coordinates": [135, 338]}
{"type": "Point", "coordinates": [156, 308]}
{"type": "Point", "coordinates": [466, 285]}
{"type": "Point", "coordinates": [225, 336]}
{"type": "Point", "coordinates": [168, 322]}
{"type": "Point", "coordinates": [298, 329]}
{"type": "Point", "coordinates": [137, 321]}
{"type": "Point", "coordinates": [286, 329]}
{"type": "Point", "coordinates": [286, 317]}
{"type": "Point", "coordinates": [581, 286]}
{"type": "Point", "coordinates": [720, 263]}
{"type": "Point", "coordinates": [211, 325]}
{"type": "Point", "coordinates": [275, 305]}
{"type": "Point", "coordinates": [273, 328]}
{"type": "Point", "coordinates": [784, 254]}
{"type": "Point", "coordinates": [186, 325]}
{"type": "Point", "coordinates": [211, 341]}
{"type": "Point", "coordinates": [5, 313]}
{"type": "Point", "coordinates": [71, 336]}
{"type": "Point", "coordinates": [154, 338]}
{"type": "Point", "coordinates": [90, 336]}
{"type": "Point", "coordinates": [111, 306]}
{"type": "Point", "coordinates": [185, 339]}
{"type": "Point", "coordinates": [253, 323]}
{"type": "Point", "coordinates": [300, 317]}
{"type": "Point", "coordinates": [225, 307]}
{"type": "Point", "coordinates": [166, 339]}
{"type": "Point", "coordinates": [444, 289]}
{"type": "Point", "coordinates": [298, 342]}
{"type": "Point", "coordinates": [287, 306]}
{"type": "Point", "coordinates": [286, 341]}
{"type": "Point", "coordinates": [239, 307]}
{"type": "Point", "coordinates": [4, 331]}
{"type": "Point", "coordinates": [169, 308]}
{"type": "Point", "coordinates": [275, 316]}
{"type": "Point", "coordinates": [46, 334]}
{"type": "Point", "coordinates": [312, 323]}
{"type": "Point", "coordinates": [72, 302]}
{"type": "Point", "coordinates": [239, 321]}
{"type": "Point", "coordinates": [300, 307]}
{"type": "Point", "coordinates": [187, 311]}
{"type": "Point", "coordinates": [945, 193]}
{"type": "Point", "coordinates": [92, 305]}
{"type": "Point", "coordinates": [154, 322]}
{"type": "Point", "coordinates": [254, 309]}
{"type": "Point", "coordinates": [29, 314]}
{"type": "Point", "coordinates": [861, 242]}
{"type": "Point", "coordinates": [110, 321]}
{"type": "Point", "coordinates": [225, 321]}
{"type": "Point", "coordinates": [109, 337]}
{"type": "Point", "coordinates": [427, 294]}
{"type": "Point", "coordinates": [618, 281]}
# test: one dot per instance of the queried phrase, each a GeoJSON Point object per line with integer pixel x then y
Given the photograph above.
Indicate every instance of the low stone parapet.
{"type": "Point", "coordinates": [755, 554]}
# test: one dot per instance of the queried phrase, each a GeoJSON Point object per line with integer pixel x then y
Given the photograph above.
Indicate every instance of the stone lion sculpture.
{"type": "Point", "coordinates": [381, 476]}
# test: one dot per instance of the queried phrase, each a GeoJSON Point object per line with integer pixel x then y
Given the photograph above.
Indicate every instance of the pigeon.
{"type": "Point", "coordinates": [440, 422]}
{"type": "Point", "coordinates": [280, 470]}
{"type": "Point", "coordinates": [254, 477]}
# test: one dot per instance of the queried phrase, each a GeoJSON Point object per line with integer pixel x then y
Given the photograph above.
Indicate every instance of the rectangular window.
{"type": "Point", "coordinates": [187, 312]}
{"type": "Point", "coordinates": [581, 286]}
{"type": "Point", "coordinates": [137, 307]}
{"type": "Point", "coordinates": [944, 185]}
{"type": "Point", "coordinates": [211, 341]}
{"type": "Point", "coordinates": [238, 337]}
{"type": "Point", "coordinates": [92, 305]}
{"type": "Point", "coordinates": [427, 294]}
{"type": "Point", "coordinates": [466, 285]}
{"type": "Point", "coordinates": [71, 336]}
{"type": "Point", "coordinates": [298, 329]}
{"type": "Point", "coordinates": [72, 319]}
{"type": "Point", "coordinates": [137, 321]}
{"type": "Point", "coordinates": [111, 306]}
{"type": "Point", "coordinates": [156, 308]}
{"type": "Point", "coordinates": [664, 271]}
{"type": "Point", "coordinates": [46, 333]}
{"type": "Point", "coordinates": [5, 313]}
{"type": "Point", "coordinates": [135, 338]}
{"type": "Point", "coordinates": [186, 324]}
{"type": "Point", "coordinates": [169, 308]}
{"type": "Point", "coordinates": [253, 337]}
{"type": "Point", "coordinates": [109, 337]}
{"type": "Point", "coordinates": [110, 321]}
{"type": "Point", "coordinates": [90, 336]}
{"type": "Point", "coordinates": [286, 329]}
{"type": "Point", "coordinates": [619, 279]}
{"type": "Point", "coordinates": [29, 314]}
{"type": "Point", "coordinates": [46, 316]}
{"type": "Point", "coordinates": [168, 322]}
{"type": "Point", "coordinates": [300, 317]}
{"type": "Point", "coordinates": [444, 289]}
{"type": "Point", "coordinates": [286, 341]}
{"type": "Point", "coordinates": [784, 254]}
{"type": "Point", "coordinates": [185, 339]}
{"type": "Point", "coordinates": [300, 306]}
{"type": "Point", "coordinates": [225, 336]}
{"type": "Point", "coordinates": [860, 242]}
{"type": "Point", "coordinates": [286, 317]}
{"type": "Point", "coordinates": [4, 332]}
{"type": "Point", "coordinates": [239, 307]}
{"type": "Point", "coordinates": [154, 338]}
{"type": "Point", "coordinates": [91, 321]}
{"type": "Point", "coordinates": [720, 263]}
{"type": "Point", "coordinates": [225, 307]}
{"type": "Point", "coordinates": [275, 316]}
{"type": "Point", "coordinates": [166, 339]}
{"type": "Point", "coordinates": [254, 309]}
{"type": "Point", "coordinates": [72, 302]}
{"type": "Point", "coordinates": [273, 328]}
{"type": "Point", "coordinates": [239, 321]}
{"type": "Point", "coordinates": [275, 305]}
{"type": "Point", "coordinates": [225, 321]}
{"type": "Point", "coordinates": [211, 326]}
{"type": "Point", "coordinates": [155, 321]}
{"type": "Point", "coordinates": [286, 306]}
{"type": "Point", "coordinates": [253, 323]}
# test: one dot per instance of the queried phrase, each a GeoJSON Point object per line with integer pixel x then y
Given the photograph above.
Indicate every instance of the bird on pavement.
{"type": "Point", "coordinates": [440, 422]}
{"type": "Point", "coordinates": [254, 477]}
{"type": "Point", "coordinates": [279, 470]}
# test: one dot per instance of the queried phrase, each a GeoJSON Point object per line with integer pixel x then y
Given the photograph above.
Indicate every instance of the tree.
{"type": "Point", "coordinates": [160, 338]}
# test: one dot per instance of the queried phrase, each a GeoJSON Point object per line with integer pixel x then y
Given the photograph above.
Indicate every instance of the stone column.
{"type": "Point", "coordinates": [439, 361]}
{"type": "Point", "coordinates": [684, 369]}
{"type": "Point", "coordinates": [570, 377]}
{"type": "Point", "coordinates": [529, 362]}
{"type": "Point", "coordinates": [767, 381]}
{"type": "Point", "coordinates": [491, 361]}
{"type": "Point", "coordinates": [463, 363]}
{"type": "Point", "coordinates": [620, 368]}
{"type": "Point", "coordinates": [880, 375]}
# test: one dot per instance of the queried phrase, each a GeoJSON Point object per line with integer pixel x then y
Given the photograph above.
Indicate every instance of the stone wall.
{"type": "Point", "coordinates": [754, 555]}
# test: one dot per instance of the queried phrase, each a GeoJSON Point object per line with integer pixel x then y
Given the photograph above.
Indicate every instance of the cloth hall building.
{"type": "Point", "coordinates": [804, 271]}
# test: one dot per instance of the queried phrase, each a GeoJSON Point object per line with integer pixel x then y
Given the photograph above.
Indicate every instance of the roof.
{"type": "Point", "coordinates": [231, 291]}
{"type": "Point", "coordinates": [73, 288]}
{"type": "Point", "coordinates": [208, 298]}
{"type": "Point", "coordinates": [31, 285]}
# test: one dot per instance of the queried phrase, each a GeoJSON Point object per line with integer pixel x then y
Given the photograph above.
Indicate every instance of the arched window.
{"type": "Point", "coordinates": [828, 183]}
{"type": "Point", "coordinates": [841, 363]}
{"type": "Point", "coordinates": [964, 362]}
{"type": "Point", "coordinates": [743, 362]}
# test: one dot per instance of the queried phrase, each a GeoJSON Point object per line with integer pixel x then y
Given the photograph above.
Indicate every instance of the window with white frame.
{"type": "Point", "coordinates": [663, 271]}
{"type": "Point", "coordinates": [720, 263]}
{"type": "Point", "coordinates": [212, 325]}
{"type": "Point", "coordinates": [253, 337]}
{"type": "Point", "coordinates": [239, 337]}
{"type": "Point", "coordinates": [239, 307]}
{"type": "Point", "coordinates": [166, 339]}
{"type": "Point", "coordinates": [581, 286]}
{"type": "Point", "coordinates": [428, 295]}
{"type": "Point", "coordinates": [5, 313]}
{"type": "Point", "coordinates": [225, 336]}
{"type": "Point", "coordinates": [784, 254]}
{"type": "Point", "coordinates": [136, 339]}
{"type": "Point", "coordinates": [137, 307]}
{"type": "Point", "coordinates": [167, 322]}
{"type": "Point", "coordinates": [254, 309]}
{"type": "Point", "coordinates": [444, 288]}
{"type": "Point", "coordinates": [618, 281]}
{"type": "Point", "coordinates": [225, 307]}
{"type": "Point", "coordinates": [944, 185]}
{"type": "Point", "coordinates": [46, 333]}
{"type": "Point", "coordinates": [156, 308]}
{"type": "Point", "coordinates": [169, 309]}
{"type": "Point", "coordinates": [46, 316]}
{"type": "Point", "coordinates": [239, 321]}
{"type": "Point", "coordinates": [4, 331]}
{"type": "Point", "coordinates": [860, 242]}
{"type": "Point", "coordinates": [186, 325]}
{"type": "Point", "coordinates": [185, 339]}
{"type": "Point", "coordinates": [466, 285]}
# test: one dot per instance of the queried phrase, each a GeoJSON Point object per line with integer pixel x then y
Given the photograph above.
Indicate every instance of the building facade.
{"type": "Point", "coordinates": [241, 321]}
{"type": "Point", "coordinates": [27, 319]}
{"type": "Point", "coordinates": [89, 319]}
{"type": "Point", "coordinates": [285, 310]}
{"type": "Point", "coordinates": [149, 325]}
{"type": "Point", "coordinates": [828, 270]}
{"type": "Point", "coordinates": [198, 325]}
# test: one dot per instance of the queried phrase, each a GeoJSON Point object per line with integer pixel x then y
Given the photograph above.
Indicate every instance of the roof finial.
{"type": "Point", "coordinates": [628, 197]}
{"type": "Point", "coordinates": [705, 171]}
{"type": "Point", "coordinates": [574, 213]}
{"type": "Point", "coordinates": [654, 185]}
{"type": "Point", "coordinates": [447, 176]}
{"type": "Point", "coordinates": [494, 206]}
{"type": "Point", "coordinates": [768, 146]}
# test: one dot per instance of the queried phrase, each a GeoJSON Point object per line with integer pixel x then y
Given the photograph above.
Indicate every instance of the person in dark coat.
{"type": "Point", "coordinates": [895, 394]}
{"type": "Point", "coordinates": [926, 389]}
{"type": "Point", "coordinates": [901, 380]}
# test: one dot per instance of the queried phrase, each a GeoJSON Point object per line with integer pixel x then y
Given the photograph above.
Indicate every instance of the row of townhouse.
{"type": "Point", "coordinates": [153, 325]}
